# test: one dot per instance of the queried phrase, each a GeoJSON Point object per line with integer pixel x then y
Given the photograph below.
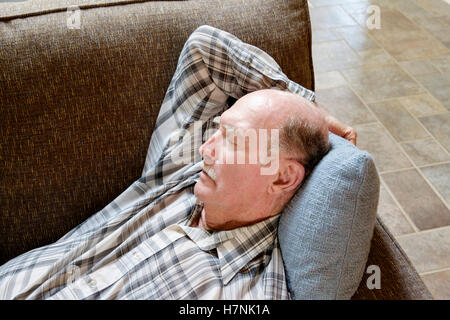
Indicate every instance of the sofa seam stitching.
{"type": "Point", "coordinates": [7, 18]}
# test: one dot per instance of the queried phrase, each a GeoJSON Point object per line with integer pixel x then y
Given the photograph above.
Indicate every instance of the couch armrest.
{"type": "Point", "coordinates": [399, 278]}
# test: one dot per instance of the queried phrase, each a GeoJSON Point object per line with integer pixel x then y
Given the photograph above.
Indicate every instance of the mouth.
{"type": "Point", "coordinates": [209, 171]}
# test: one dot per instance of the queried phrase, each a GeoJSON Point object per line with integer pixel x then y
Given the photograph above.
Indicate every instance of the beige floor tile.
{"type": "Point", "coordinates": [429, 250]}
{"type": "Point", "coordinates": [404, 50]}
{"type": "Point", "coordinates": [368, 51]}
{"type": "Point", "coordinates": [425, 152]}
{"type": "Point", "coordinates": [439, 127]}
{"type": "Point", "coordinates": [439, 176]}
{"type": "Point", "coordinates": [437, 26]}
{"type": "Point", "coordinates": [419, 67]}
{"type": "Point", "coordinates": [412, 10]}
{"type": "Point", "coordinates": [391, 215]}
{"type": "Point", "coordinates": [318, 3]}
{"type": "Point", "coordinates": [330, 79]}
{"type": "Point", "coordinates": [436, 7]}
{"type": "Point", "coordinates": [398, 120]}
{"type": "Point", "coordinates": [343, 104]}
{"type": "Point", "coordinates": [381, 83]}
{"type": "Point", "coordinates": [330, 17]}
{"type": "Point", "coordinates": [417, 199]}
{"type": "Point", "coordinates": [386, 153]}
{"type": "Point", "coordinates": [320, 35]}
{"type": "Point", "coordinates": [439, 284]}
{"type": "Point", "coordinates": [357, 38]}
{"type": "Point", "coordinates": [333, 55]}
{"type": "Point", "coordinates": [401, 37]}
{"type": "Point", "coordinates": [375, 58]}
{"type": "Point", "coordinates": [442, 63]}
{"type": "Point", "coordinates": [422, 105]}
{"type": "Point", "coordinates": [439, 87]}
{"type": "Point", "coordinates": [404, 39]}
{"type": "Point", "coordinates": [396, 27]}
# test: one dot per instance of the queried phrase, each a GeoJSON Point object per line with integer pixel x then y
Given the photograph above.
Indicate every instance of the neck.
{"type": "Point", "coordinates": [201, 222]}
{"type": "Point", "coordinates": [208, 217]}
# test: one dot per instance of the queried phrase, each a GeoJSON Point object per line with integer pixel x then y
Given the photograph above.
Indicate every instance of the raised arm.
{"type": "Point", "coordinates": [238, 68]}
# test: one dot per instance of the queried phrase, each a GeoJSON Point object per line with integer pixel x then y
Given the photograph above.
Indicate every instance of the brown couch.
{"type": "Point", "coordinates": [78, 107]}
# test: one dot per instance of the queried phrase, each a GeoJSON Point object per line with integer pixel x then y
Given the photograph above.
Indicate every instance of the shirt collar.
{"type": "Point", "coordinates": [236, 247]}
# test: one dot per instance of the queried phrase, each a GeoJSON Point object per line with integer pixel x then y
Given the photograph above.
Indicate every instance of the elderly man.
{"type": "Point", "coordinates": [195, 229]}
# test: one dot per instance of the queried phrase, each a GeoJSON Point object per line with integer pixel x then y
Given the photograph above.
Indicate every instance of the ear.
{"type": "Point", "coordinates": [288, 178]}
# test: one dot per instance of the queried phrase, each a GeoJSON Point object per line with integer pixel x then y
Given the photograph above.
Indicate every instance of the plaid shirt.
{"type": "Point", "coordinates": [140, 246]}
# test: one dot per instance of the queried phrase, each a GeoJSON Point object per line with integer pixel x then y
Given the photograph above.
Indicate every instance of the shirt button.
{"type": "Point", "coordinates": [136, 255]}
{"type": "Point", "coordinates": [92, 283]}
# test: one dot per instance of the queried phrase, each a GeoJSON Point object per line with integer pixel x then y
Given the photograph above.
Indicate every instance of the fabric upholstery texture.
{"type": "Point", "coordinates": [326, 228]}
{"type": "Point", "coordinates": [78, 107]}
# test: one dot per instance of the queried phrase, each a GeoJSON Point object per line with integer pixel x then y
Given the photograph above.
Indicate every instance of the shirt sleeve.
{"type": "Point", "coordinates": [238, 68]}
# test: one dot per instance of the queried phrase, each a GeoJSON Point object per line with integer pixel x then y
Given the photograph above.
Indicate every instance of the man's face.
{"type": "Point", "coordinates": [231, 180]}
{"type": "Point", "coordinates": [236, 192]}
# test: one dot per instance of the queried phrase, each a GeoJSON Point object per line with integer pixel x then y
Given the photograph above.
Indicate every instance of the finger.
{"type": "Point", "coordinates": [351, 136]}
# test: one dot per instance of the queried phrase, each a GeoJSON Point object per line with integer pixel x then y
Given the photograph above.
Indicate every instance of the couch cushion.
{"type": "Point", "coordinates": [78, 105]}
{"type": "Point", "coordinates": [325, 230]}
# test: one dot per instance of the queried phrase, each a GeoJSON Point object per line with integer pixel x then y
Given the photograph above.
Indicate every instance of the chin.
{"type": "Point", "coordinates": [200, 191]}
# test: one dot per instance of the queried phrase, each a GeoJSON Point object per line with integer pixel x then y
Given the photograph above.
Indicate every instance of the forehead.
{"type": "Point", "coordinates": [251, 112]}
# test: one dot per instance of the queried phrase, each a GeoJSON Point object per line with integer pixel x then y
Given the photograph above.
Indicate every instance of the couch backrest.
{"type": "Point", "coordinates": [78, 105]}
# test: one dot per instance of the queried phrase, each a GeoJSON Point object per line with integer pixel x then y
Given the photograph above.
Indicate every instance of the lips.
{"type": "Point", "coordinates": [209, 171]}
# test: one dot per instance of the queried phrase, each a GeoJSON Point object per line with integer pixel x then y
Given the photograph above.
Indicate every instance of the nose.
{"type": "Point", "coordinates": [207, 151]}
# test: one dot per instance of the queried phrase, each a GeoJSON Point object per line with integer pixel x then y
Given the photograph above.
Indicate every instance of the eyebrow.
{"type": "Point", "coordinates": [227, 127]}
{"type": "Point", "coordinates": [230, 131]}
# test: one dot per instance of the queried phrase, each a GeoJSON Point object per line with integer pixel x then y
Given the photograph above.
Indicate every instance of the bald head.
{"type": "Point", "coordinates": [274, 107]}
{"type": "Point", "coordinates": [303, 129]}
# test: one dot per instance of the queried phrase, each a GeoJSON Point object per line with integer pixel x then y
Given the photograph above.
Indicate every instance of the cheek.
{"type": "Point", "coordinates": [240, 178]}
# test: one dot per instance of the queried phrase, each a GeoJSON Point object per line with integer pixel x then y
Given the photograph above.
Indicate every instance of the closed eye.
{"type": "Point", "coordinates": [231, 136]}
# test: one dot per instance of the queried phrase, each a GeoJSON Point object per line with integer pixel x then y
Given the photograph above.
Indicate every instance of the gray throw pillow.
{"type": "Point", "coordinates": [326, 229]}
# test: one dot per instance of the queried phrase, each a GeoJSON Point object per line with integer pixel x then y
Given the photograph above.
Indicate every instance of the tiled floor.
{"type": "Point", "coordinates": [393, 86]}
